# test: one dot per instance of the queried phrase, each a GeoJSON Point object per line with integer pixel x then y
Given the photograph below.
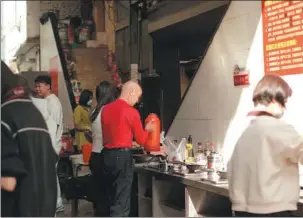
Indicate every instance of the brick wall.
{"type": "Point", "coordinates": [66, 8]}
{"type": "Point", "coordinates": [91, 66]}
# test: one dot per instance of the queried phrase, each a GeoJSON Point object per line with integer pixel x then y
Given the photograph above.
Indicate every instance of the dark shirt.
{"type": "Point", "coordinates": [120, 123]}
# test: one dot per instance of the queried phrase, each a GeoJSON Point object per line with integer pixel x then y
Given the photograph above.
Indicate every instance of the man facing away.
{"type": "Point", "coordinates": [120, 122]}
{"type": "Point", "coordinates": [44, 89]}
{"type": "Point", "coordinates": [28, 175]}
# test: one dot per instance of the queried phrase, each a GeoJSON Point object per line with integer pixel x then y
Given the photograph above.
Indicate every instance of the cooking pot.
{"type": "Point", "coordinates": [144, 158]}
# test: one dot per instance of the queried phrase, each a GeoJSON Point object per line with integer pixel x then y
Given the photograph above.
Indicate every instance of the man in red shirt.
{"type": "Point", "coordinates": [120, 123]}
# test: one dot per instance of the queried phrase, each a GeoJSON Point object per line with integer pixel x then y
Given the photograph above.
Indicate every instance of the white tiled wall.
{"type": "Point", "coordinates": [213, 108]}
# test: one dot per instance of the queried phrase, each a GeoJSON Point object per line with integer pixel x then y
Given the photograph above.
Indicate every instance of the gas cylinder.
{"type": "Point", "coordinates": [153, 141]}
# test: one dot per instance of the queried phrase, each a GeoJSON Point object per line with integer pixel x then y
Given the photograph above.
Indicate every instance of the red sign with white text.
{"type": "Point", "coordinates": [283, 37]}
{"type": "Point", "coordinates": [241, 76]}
{"type": "Point", "coordinates": [53, 73]}
{"type": "Point", "coordinates": [241, 80]}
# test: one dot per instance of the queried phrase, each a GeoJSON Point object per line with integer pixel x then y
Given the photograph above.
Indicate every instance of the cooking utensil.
{"type": "Point", "coordinates": [144, 158]}
{"type": "Point", "coordinates": [192, 168]}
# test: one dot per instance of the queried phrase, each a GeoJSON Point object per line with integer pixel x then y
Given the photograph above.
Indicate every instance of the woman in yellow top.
{"type": "Point", "coordinates": [82, 117]}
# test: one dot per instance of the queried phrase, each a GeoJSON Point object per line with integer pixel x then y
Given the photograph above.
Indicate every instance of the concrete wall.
{"type": "Point", "coordinates": [172, 12]}
{"type": "Point", "coordinates": [213, 108]}
{"type": "Point", "coordinates": [33, 15]}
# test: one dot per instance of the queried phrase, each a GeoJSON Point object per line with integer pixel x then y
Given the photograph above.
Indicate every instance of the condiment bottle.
{"type": "Point", "coordinates": [207, 148]}
{"type": "Point", "coordinates": [200, 156]}
{"type": "Point", "coordinates": [211, 156]}
{"type": "Point", "coordinates": [189, 150]}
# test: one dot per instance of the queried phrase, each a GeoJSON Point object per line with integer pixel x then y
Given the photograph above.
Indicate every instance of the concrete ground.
{"type": "Point", "coordinates": [85, 209]}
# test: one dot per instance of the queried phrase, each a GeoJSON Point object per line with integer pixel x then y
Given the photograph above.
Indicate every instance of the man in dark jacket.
{"type": "Point", "coordinates": [28, 176]}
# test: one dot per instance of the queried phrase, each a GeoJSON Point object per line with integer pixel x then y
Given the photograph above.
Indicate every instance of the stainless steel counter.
{"type": "Point", "coordinates": [219, 189]}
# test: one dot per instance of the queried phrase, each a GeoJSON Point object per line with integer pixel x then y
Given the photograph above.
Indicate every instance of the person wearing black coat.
{"type": "Point", "coordinates": [28, 175]}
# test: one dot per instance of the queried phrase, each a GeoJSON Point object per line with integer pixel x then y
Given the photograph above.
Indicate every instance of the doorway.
{"type": "Point", "coordinates": [177, 53]}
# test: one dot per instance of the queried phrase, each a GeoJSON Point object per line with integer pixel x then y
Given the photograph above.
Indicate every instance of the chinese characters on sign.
{"type": "Point", "coordinates": [283, 37]}
{"type": "Point", "coordinates": [53, 73]}
{"type": "Point", "coordinates": [241, 76]}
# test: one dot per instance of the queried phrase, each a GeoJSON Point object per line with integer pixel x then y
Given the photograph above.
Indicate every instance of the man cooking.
{"type": "Point", "coordinates": [120, 123]}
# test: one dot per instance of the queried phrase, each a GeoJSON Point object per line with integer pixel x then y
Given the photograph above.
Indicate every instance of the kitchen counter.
{"type": "Point", "coordinates": [176, 196]}
{"type": "Point", "coordinates": [221, 189]}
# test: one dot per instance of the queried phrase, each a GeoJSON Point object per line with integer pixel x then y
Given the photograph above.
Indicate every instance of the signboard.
{"type": "Point", "coordinates": [283, 37]}
{"type": "Point", "coordinates": [53, 73]}
{"type": "Point", "coordinates": [241, 76]}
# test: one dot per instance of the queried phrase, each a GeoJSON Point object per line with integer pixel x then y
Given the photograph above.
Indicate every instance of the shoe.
{"type": "Point", "coordinates": [60, 208]}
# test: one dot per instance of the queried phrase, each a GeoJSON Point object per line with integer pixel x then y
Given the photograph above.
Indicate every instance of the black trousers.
{"type": "Point", "coordinates": [95, 168]}
{"type": "Point", "coordinates": [278, 214]}
{"type": "Point", "coordinates": [113, 172]}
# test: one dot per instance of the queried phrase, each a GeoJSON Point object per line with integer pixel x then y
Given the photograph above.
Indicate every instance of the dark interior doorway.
{"type": "Point", "coordinates": [183, 41]}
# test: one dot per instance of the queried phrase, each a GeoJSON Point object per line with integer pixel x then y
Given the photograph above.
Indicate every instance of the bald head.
{"type": "Point", "coordinates": [130, 86]}
{"type": "Point", "coordinates": [131, 92]}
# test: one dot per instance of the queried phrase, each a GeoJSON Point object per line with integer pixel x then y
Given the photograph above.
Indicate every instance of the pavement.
{"type": "Point", "coordinates": [85, 209]}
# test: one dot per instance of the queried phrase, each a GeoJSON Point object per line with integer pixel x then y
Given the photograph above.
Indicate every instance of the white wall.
{"type": "Point", "coordinates": [213, 108]}
{"type": "Point", "coordinates": [13, 27]}
{"type": "Point", "coordinates": [49, 50]}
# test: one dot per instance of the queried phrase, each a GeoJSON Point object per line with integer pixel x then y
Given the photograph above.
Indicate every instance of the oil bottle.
{"type": "Point", "coordinates": [189, 152]}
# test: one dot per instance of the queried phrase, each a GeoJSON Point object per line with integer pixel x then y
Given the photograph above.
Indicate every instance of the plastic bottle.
{"type": "Point", "coordinates": [200, 156]}
{"type": "Point", "coordinates": [211, 157]}
{"type": "Point", "coordinates": [153, 141]}
{"type": "Point", "coordinates": [189, 150]}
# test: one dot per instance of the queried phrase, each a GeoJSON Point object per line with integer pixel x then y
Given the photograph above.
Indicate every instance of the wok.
{"type": "Point", "coordinates": [144, 158]}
